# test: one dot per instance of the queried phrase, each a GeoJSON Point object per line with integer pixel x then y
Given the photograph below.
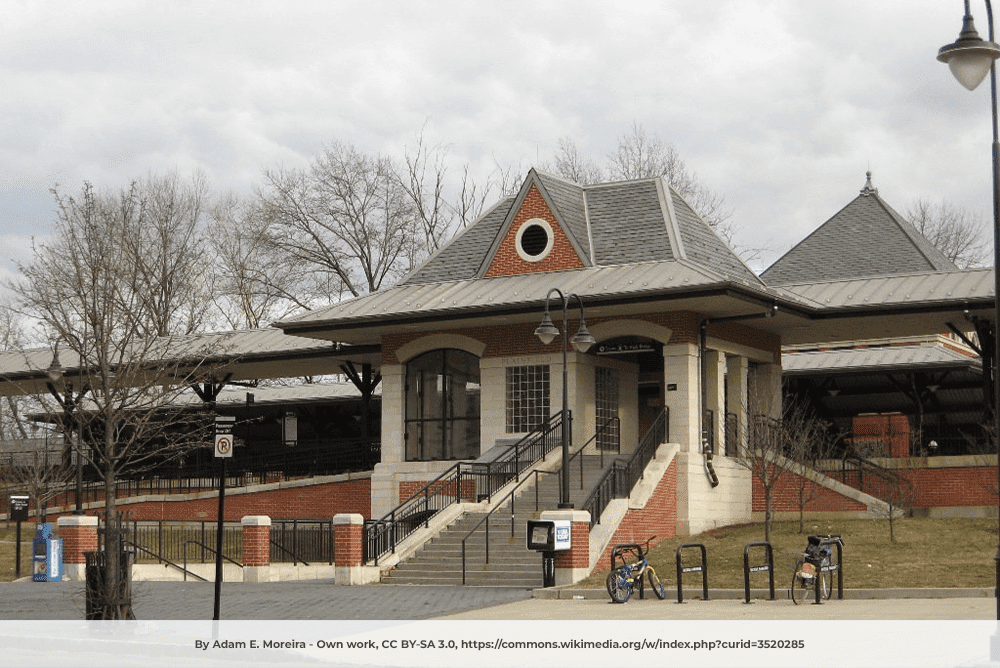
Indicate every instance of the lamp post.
{"type": "Point", "coordinates": [970, 59]}
{"type": "Point", "coordinates": [68, 400]}
{"type": "Point", "coordinates": [582, 341]}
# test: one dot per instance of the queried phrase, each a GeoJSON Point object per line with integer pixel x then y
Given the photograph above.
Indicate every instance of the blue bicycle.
{"type": "Point", "coordinates": [624, 576]}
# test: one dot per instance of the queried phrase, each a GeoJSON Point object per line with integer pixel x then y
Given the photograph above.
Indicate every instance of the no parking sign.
{"type": "Point", "coordinates": [224, 435]}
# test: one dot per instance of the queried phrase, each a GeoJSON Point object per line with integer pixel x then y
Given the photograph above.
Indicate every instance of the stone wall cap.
{"type": "Point", "coordinates": [349, 518]}
{"type": "Point", "coordinates": [570, 514]}
{"type": "Point", "coordinates": [77, 521]}
{"type": "Point", "coordinates": [256, 521]}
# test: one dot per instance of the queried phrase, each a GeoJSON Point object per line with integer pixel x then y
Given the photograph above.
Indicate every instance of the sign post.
{"type": "Point", "coordinates": [18, 513]}
{"type": "Point", "coordinates": [223, 450]}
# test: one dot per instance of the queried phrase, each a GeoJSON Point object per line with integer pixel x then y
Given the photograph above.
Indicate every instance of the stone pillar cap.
{"type": "Point", "coordinates": [571, 514]}
{"type": "Point", "coordinates": [77, 521]}
{"type": "Point", "coordinates": [256, 521]}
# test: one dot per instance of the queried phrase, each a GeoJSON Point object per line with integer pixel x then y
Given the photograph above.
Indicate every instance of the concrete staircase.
{"type": "Point", "coordinates": [439, 561]}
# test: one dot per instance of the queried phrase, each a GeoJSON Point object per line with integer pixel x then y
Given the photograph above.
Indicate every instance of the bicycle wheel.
{"type": "Point", "coordinates": [619, 587]}
{"type": "Point", "coordinates": [802, 586]}
{"type": "Point", "coordinates": [656, 585]}
{"type": "Point", "coordinates": [826, 581]}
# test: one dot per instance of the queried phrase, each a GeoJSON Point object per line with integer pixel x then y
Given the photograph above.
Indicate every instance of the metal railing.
{"type": "Point", "coordinates": [304, 540]}
{"type": "Point", "coordinates": [463, 481]}
{"type": "Point", "coordinates": [619, 479]}
{"type": "Point", "coordinates": [611, 425]}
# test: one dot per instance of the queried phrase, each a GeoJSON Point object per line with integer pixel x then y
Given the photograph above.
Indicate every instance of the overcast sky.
{"type": "Point", "coordinates": [780, 107]}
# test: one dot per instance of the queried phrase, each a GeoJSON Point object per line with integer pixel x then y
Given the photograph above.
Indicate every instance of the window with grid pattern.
{"type": "Point", "coordinates": [527, 397]}
{"type": "Point", "coordinates": [606, 402]}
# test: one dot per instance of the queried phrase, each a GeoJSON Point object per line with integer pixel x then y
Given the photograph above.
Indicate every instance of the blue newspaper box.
{"type": "Point", "coordinates": [46, 562]}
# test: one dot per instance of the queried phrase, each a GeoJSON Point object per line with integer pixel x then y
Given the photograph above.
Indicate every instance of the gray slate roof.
{"type": "Point", "coordinates": [865, 238]}
{"type": "Point", "coordinates": [610, 224]}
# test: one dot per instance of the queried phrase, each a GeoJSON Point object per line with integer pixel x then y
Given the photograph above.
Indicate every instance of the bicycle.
{"type": "Point", "coordinates": [815, 562]}
{"type": "Point", "coordinates": [623, 578]}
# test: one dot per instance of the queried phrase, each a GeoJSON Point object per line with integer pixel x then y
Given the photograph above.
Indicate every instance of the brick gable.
{"type": "Point", "coordinates": [507, 262]}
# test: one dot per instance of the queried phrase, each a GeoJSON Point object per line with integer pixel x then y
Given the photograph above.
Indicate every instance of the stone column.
{"type": "Point", "coordinates": [680, 374]}
{"type": "Point", "coordinates": [348, 553]}
{"type": "Point", "coordinates": [572, 565]}
{"type": "Point", "coordinates": [79, 535]}
{"type": "Point", "coordinates": [715, 396]}
{"type": "Point", "coordinates": [736, 397]}
{"type": "Point", "coordinates": [256, 548]}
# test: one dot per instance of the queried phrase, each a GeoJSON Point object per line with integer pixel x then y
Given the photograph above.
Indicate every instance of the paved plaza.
{"type": "Point", "coordinates": [321, 599]}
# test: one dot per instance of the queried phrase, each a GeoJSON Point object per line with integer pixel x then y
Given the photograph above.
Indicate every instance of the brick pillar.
{"type": "Point", "coordinates": [256, 548]}
{"type": "Point", "coordinates": [348, 555]}
{"type": "Point", "coordinates": [572, 565]}
{"type": "Point", "coordinates": [79, 535]}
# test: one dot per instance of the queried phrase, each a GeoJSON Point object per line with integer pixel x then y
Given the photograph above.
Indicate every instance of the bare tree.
{"type": "Point", "coordinates": [255, 283]}
{"type": "Point", "coordinates": [956, 232]}
{"type": "Point", "coordinates": [571, 164]}
{"type": "Point", "coordinates": [41, 473]}
{"type": "Point", "coordinates": [88, 290]}
{"type": "Point", "coordinates": [808, 440]}
{"type": "Point", "coordinates": [345, 217]}
{"type": "Point", "coordinates": [765, 444]}
{"type": "Point", "coordinates": [440, 208]}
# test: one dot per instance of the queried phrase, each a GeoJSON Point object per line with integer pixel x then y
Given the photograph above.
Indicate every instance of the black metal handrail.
{"type": "Point", "coordinates": [619, 478]}
{"type": "Point", "coordinates": [295, 558]}
{"type": "Point", "coordinates": [205, 547]}
{"type": "Point", "coordinates": [384, 534]}
{"type": "Point", "coordinates": [604, 428]}
{"type": "Point", "coordinates": [163, 559]}
{"type": "Point", "coordinates": [486, 518]}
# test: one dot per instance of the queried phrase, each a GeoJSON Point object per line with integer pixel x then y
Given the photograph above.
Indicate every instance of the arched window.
{"type": "Point", "coordinates": [442, 406]}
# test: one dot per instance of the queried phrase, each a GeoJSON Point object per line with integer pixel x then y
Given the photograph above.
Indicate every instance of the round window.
{"type": "Point", "coordinates": [534, 240]}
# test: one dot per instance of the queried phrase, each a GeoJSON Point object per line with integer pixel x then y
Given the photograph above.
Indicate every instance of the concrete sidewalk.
{"type": "Point", "coordinates": [321, 599]}
{"type": "Point", "coordinates": [309, 599]}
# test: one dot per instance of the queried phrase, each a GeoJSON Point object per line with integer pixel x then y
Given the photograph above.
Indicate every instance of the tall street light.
{"type": "Point", "coordinates": [582, 341]}
{"type": "Point", "coordinates": [970, 59]}
{"type": "Point", "coordinates": [69, 400]}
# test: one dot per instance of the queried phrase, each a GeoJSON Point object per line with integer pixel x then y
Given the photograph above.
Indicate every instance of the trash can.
{"type": "Point", "coordinates": [98, 597]}
{"type": "Point", "coordinates": [46, 560]}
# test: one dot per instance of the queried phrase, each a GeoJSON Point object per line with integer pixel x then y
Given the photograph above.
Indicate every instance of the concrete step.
{"type": "Point", "coordinates": [439, 561]}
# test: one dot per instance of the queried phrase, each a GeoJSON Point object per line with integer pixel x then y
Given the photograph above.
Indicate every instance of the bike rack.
{"type": "Point", "coordinates": [839, 567]}
{"type": "Point", "coordinates": [703, 569]}
{"type": "Point", "coordinates": [748, 569]}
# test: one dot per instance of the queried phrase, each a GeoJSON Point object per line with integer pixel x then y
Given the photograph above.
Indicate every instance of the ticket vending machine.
{"type": "Point", "coordinates": [46, 561]}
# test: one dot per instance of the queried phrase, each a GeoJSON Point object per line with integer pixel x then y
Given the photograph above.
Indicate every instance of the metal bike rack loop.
{"type": "Point", "coordinates": [702, 568]}
{"type": "Point", "coordinates": [748, 569]}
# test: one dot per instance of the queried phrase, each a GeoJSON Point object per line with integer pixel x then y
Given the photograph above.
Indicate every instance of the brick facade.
{"type": "Point", "coordinates": [309, 501]}
{"type": "Point", "coordinates": [507, 262]}
{"type": "Point", "coordinates": [786, 494]}
{"type": "Point", "coordinates": [408, 488]}
{"type": "Point", "coordinates": [256, 543]}
{"type": "Point", "coordinates": [658, 518]}
{"type": "Point", "coordinates": [348, 539]}
{"type": "Point", "coordinates": [578, 556]}
{"type": "Point", "coordinates": [934, 487]}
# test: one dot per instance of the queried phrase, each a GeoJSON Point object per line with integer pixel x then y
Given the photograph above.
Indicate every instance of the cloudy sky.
{"type": "Point", "coordinates": [778, 106]}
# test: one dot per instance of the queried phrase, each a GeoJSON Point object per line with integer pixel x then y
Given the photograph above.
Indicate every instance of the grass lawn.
{"type": "Point", "coordinates": [8, 547]}
{"type": "Point", "coordinates": [926, 553]}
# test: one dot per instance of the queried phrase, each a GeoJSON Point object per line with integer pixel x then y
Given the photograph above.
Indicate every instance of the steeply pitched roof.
{"type": "Point", "coordinates": [607, 224]}
{"type": "Point", "coordinates": [866, 238]}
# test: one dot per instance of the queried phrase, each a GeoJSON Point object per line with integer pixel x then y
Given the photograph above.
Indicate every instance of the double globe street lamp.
{"type": "Point", "coordinates": [582, 341]}
{"type": "Point", "coordinates": [970, 59]}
